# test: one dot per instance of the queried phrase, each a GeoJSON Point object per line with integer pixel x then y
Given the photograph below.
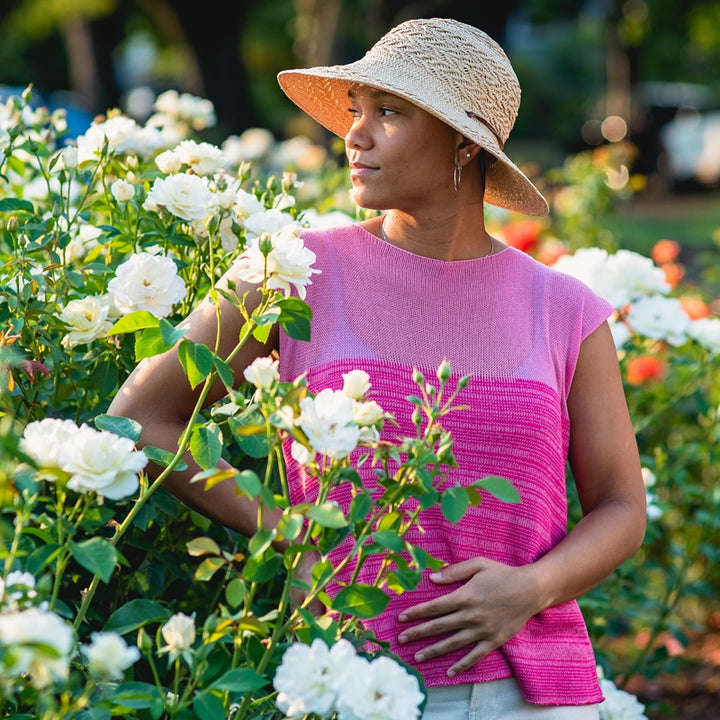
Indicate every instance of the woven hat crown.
{"type": "Point", "coordinates": [464, 64]}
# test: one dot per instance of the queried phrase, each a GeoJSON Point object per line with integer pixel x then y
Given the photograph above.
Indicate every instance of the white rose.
{"type": "Point", "coordinates": [122, 190]}
{"type": "Point", "coordinates": [102, 462]}
{"type": "Point", "coordinates": [17, 590]}
{"type": "Point", "coordinates": [300, 454]}
{"type": "Point", "coordinates": [122, 134]}
{"type": "Point", "coordinates": [85, 240]}
{"type": "Point", "coordinates": [288, 263]}
{"type": "Point", "coordinates": [146, 282]}
{"type": "Point", "coordinates": [706, 331]}
{"type": "Point", "coordinates": [246, 204]}
{"type": "Point", "coordinates": [36, 642]}
{"type": "Point", "coordinates": [378, 690]}
{"type": "Point", "coordinates": [179, 632]}
{"type": "Point", "coordinates": [262, 373]}
{"type": "Point", "coordinates": [368, 413]}
{"type": "Point", "coordinates": [328, 421]}
{"type": "Point", "coordinates": [203, 158]}
{"type": "Point", "coordinates": [228, 239]}
{"type": "Point", "coordinates": [87, 318]}
{"type": "Point", "coordinates": [198, 112]}
{"type": "Point", "coordinates": [168, 162]}
{"type": "Point", "coordinates": [269, 221]}
{"type": "Point", "coordinates": [185, 196]}
{"type": "Point", "coordinates": [43, 440]}
{"type": "Point", "coordinates": [356, 384]}
{"type": "Point", "coordinates": [253, 144]}
{"type": "Point", "coordinates": [309, 676]}
{"type": "Point", "coordinates": [661, 318]}
{"type": "Point", "coordinates": [618, 704]}
{"type": "Point", "coordinates": [108, 656]}
{"type": "Point", "coordinates": [69, 157]}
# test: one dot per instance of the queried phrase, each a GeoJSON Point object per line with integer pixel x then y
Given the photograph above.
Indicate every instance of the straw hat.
{"type": "Point", "coordinates": [453, 71]}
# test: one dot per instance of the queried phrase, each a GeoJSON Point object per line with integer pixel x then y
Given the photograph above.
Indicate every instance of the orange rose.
{"type": "Point", "coordinates": [643, 369]}
{"type": "Point", "coordinates": [665, 251]}
{"type": "Point", "coordinates": [523, 234]}
{"type": "Point", "coordinates": [695, 307]}
{"type": "Point", "coordinates": [674, 273]}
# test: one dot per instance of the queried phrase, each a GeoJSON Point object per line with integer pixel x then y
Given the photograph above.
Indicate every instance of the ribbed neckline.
{"type": "Point", "coordinates": [390, 249]}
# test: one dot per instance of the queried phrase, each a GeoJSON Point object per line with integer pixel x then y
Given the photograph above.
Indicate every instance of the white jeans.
{"type": "Point", "coordinates": [499, 699]}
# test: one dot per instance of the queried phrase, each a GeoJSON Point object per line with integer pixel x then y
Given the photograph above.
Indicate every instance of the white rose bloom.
{"type": "Point", "coordinates": [204, 158]}
{"type": "Point", "coordinates": [123, 135]}
{"type": "Point", "coordinates": [253, 144]}
{"type": "Point", "coordinates": [228, 239]}
{"type": "Point", "coordinates": [108, 655]}
{"type": "Point", "coordinates": [17, 590]}
{"type": "Point", "coordinates": [198, 112]}
{"type": "Point", "coordinates": [179, 632]}
{"type": "Point", "coordinates": [706, 331]}
{"type": "Point", "coordinates": [185, 196]}
{"type": "Point", "coordinates": [328, 421]}
{"type": "Point", "coordinates": [85, 240]}
{"type": "Point", "coordinates": [620, 331]}
{"type": "Point", "coordinates": [314, 219]}
{"type": "Point", "coordinates": [585, 264]}
{"type": "Point", "coordinates": [268, 221]}
{"type": "Point", "coordinates": [146, 282]}
{"type": "Point", "coordinates": [246, 204]}
{"type": "Point", "coordinates": [102, 462]}
{"type": "Point", "coordinates": [262, 372]}
{"type": "Point", "coordinates": [661, 318]}
{"type": "Point", "coordinates": [300, 454]}
{"type": "Point", "coordinates": [368, 413]}
{"type": "Point", "coordinates": [168, 162]}
{"type": "Point", "coordinates": [69, 157]}
{"type": "Point", "coordinates": [309, 677]}
{"type": "Point", "coordinates": [379, 690]}
{"type": "Point", "coordinates": [618, 704]}
{"type": "Point", "coordinates": [356, 384]}
{"type": "Point", "coordinates": [36, 642]}
{"type": "Point", "coordinates": [628, 276]}
{"type": "Point", "coordinates": [122, 190]}
{"type": "Point", "coordinates": [43, 440]}
{"type": "Point", "coordinates": [87, 318]}
{"type": "Point", "coordinates": [288, 263]}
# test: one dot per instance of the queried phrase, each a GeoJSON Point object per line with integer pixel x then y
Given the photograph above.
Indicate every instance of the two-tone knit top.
{"type": "Point", "coordinates": [515, 326]}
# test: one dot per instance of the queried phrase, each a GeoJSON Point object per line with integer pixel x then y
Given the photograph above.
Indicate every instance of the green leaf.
{"type": "Point", "coordinates": [122, 426]}
{"type": "Point", "coordinates": [329, 515]}
{"type": "Point", "coordinates": [202, 546]}
{"type": "Point", "coordinates": [363, 601]}
{"type": "Point", "coordinates": [248, 483]}
{"type": "Point", "coordinates": [96, 555]}
{"type": "Point", "coordinates": [134, 321]}
{"type": "Point", "coordinates": [170, 333]}
{"type": "Point", "coordinates": [136, 695]}
{"type": "Point", "coordinates": [208, 707]}
{"type": "Point", "coordinates": [10, 204]}
{"type": "Point", "coordinates": [499, 487]}
{"type": "Point", "coordinates": [149, 343]}
{"type": "Point", "coordinates": [197, 361]}
{"type": "Point", "coordinates": [360, 507]}
{"type": "Point", "coordinates": [162, 457]}
{"type": "Point", "coordinates": [390, 540]}
{"type": "Point", "coordinates": [261, 541]}
{"type": "Point", "coordinates": [235, 592]}
{"type": "Point", "coordinates": [224, 372]}
{"type": "Point", "coordinates": [240, 680]}
{"type": "Point", "coordinates": [295, 318]}
{"type": "Point", "coordinates": [208, 567]}
{"type": "Point", "coordinates": [136, 614]}
{"type": "Point", "coordinates": [206, 445]}
{"type": "Point", "coordinates": [454, 503]}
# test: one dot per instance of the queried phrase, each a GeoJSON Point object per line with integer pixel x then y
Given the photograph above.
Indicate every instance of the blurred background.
{"type": "Point", "coordinates": [592, 71]}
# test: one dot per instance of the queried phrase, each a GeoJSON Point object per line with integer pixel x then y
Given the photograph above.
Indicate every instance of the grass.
{"type": "Point", "coordinates": [691, 219]}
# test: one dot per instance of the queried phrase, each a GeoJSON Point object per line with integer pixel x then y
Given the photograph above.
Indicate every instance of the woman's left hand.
{"type": "Point", "coordinates": [490, 608]}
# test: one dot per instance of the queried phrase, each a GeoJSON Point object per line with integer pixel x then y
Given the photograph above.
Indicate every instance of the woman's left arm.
{"type": "Point", "coordinates": [496, 600]}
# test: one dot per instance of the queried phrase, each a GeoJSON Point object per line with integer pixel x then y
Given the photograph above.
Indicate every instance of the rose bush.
{"type": "Point", "coordinates": [150, 610]}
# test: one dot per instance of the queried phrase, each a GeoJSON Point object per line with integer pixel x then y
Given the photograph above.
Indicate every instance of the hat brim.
{"type": "Point", "coordinates": [322, 92]}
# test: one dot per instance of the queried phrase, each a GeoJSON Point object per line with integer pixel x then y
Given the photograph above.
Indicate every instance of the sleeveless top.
{"type": "Point", "coordinates": [515, 326]}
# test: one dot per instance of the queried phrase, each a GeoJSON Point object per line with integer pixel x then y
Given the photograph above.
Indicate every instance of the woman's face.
{"type": "Point", "coordinates": [399, 155]}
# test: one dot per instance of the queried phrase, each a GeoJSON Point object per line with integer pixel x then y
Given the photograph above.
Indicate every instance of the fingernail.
{"type": "Point", "coordinates": [403, 639]}
{"type": "Point", "coordinates": [451, 673]}
{"type": "Point", "coordinates": [419, 657]}
{"type": "Point", "coordinates": [435, 576]}
{"type": "Point", "coordinates": [403, 617]}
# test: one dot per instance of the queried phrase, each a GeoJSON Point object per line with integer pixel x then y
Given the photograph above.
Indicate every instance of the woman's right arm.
{"type": "Point", "coordinates": [158, 396]}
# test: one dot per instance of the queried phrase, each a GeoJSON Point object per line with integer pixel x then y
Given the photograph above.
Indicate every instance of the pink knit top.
{"type": "Point", "coordinates": [516, 327]}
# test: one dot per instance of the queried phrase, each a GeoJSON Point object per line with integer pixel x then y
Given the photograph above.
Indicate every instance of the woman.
{"type": "Point", "coordinates": [425, 115]}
